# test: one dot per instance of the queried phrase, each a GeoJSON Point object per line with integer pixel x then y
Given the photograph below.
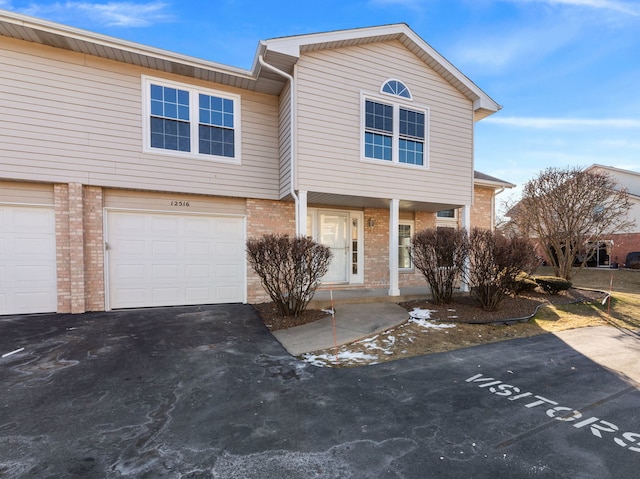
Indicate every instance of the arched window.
{"type": "Point", "coordinates": [397, 88]}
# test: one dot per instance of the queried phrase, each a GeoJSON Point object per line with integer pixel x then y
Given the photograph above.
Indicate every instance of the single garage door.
{"type": "Point", "coordinates": [158, 259]}
{"type": "Point", "coordinates": [27, 260]}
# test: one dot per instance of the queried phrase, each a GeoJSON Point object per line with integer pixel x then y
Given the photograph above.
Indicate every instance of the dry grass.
{"type": "Point", "coordinates": [410, 339]}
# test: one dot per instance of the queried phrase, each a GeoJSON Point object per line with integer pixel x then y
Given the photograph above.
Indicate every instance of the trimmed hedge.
{"type": "Point", "coordinates": [553, 284]}
{"type": "Point", "coordinates": [525, 283]}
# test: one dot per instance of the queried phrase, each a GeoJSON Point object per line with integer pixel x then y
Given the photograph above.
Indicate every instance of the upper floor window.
{"type": "Point", "coordinates": [395, 133]}
{"type": "Point", "coordinates": [396, 87]}
{"type": "Point", "coordinates": [192, 121]}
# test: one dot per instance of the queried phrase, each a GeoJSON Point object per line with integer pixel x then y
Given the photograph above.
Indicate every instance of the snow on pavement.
{"type": "Point", "coordinates": [375, 346]}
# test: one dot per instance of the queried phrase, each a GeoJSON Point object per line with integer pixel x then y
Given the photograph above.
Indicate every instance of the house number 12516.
{"type": "Point", "coordinates": [179, 203]}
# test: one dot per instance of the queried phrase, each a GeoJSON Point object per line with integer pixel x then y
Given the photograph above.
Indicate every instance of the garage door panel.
{"type": "Point", "coordinates": [200, 272]}
{"type": "Point", "coordinates": [228, 249]}
{"type": "Point", "coordinates": [165, 248]}
{"type": "Point", "coordinates": [124, 272]}
{"type": "Point", "coordinates": [39, 274]}
{"type": "Point", "coordinates": [32, 220]}
{"type": "Point", "coordinates": [197, 295]}
{"type": "Point", "coordinates": [164, 272]}
{"type": "Point", "coordinates": [228, 272]}
{"type": "Point", "coordinates": [197, 248]}
{"type": "Point", "coordinates": [226, 294]}
{"type": "Point", "coordinates": [161, 224]}
{"type": "Point", "coordinates": [198, 227]}
{"type": "Point", "coordinates": [226, 226]}
{"type": "Point", "coordinates": [132, 248]}
{"type": "Point", "coordinates": [28, 260]}
{"type": "Point", "coordinates": [180, 255]}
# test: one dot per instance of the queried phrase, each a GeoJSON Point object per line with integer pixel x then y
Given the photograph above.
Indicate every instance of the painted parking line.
{"type": "Point", "coordinates": [598, 427]}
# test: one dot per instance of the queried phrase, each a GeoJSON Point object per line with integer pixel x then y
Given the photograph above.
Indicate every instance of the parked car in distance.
{"type": "Point", "coordinates": [633, 260]}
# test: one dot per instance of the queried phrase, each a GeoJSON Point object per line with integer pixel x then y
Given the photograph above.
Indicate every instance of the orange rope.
{"type": "Point", "coordinates": [333, 322]}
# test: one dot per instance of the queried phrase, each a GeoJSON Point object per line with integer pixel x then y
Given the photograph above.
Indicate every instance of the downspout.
{"type": "Point", "coordinates": [293, 142]}
{"type": "Point", "coordinates": [493, 207]}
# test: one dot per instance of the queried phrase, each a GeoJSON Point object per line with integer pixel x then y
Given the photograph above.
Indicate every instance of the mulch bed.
{"type": "Point", "coordinates": [463, 309]}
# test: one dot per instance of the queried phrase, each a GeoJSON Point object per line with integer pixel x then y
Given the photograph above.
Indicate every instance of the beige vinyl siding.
{"type": "Point", "coordinates": [26, 193]}
{"type": "Point", "coordinates": [284, 141]}
{"type": "Point", "coordinates": [330, 84]}
{"type": "Point", "coordinates": [141, 200]}
{"type": "Point", "coordinates": [67, 117]}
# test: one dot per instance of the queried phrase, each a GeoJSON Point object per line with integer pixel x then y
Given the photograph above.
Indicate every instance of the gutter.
{"type": "Point", "coordinates": [292, 100]}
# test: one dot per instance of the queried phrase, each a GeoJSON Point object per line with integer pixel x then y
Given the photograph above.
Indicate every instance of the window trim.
{"type": "Point", "coordinates": [194, 122]}
{"type": "Point", "coordinates": [411, 225]}
{"type": "Point", "coordinates": [396, 103]}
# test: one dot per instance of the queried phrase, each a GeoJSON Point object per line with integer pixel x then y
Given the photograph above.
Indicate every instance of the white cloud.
{"type": "Point", "coordinates": [118, 14]}
{"type": "Point", "coordinates": [572, 123]}
{"type": "Point", "coordinates": [625, 7]}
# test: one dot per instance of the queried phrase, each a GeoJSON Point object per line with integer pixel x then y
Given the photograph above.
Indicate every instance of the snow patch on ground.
{"type": "Point", "coordinates": [374, 346]}
{"type": "Point", "coordinates": [342, 357]}
{"type": "Point", "coordinates": [421, 318]}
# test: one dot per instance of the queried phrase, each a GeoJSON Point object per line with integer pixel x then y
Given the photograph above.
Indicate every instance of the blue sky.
{"type": "Point", "coordinates": [567, 72]}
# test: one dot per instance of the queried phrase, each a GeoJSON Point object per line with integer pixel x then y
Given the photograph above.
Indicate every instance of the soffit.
{"type": "Point", "coordinates": [41, 32]}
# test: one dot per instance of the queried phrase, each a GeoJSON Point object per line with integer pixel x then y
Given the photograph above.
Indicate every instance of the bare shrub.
{"type": "Point", "coordinates": [495, 261]}
{"type": "Point", "coordinates": [289, 269]}
{"type": "Point", "coordinates": [440, 255]}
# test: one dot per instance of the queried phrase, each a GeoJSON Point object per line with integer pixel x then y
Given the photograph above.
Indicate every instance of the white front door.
{"type": "Point", "coordinates": [334, 233]}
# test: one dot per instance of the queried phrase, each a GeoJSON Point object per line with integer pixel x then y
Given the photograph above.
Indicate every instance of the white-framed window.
{"type": "Point", "coordinates": [405, 233]}
{"type": "Point", "coordinates": [393, 129]}
{"type": "Point", "coordinates": [447, 218]}
{"type": "Point", "coordinates": [449, 214]}
{"type": "Point", "coordinates": [185, 120]}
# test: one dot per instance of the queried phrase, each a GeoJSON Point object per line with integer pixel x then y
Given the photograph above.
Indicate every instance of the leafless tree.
{"type": "Point", "coordinates": [289, 268]}
{"type": "Point", "coordinates": [567, 209]}
{"type": "Point", "coordinates": [440, 254]}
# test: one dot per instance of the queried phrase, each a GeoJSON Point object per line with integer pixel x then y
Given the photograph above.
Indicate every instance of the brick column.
{"type": "Point", "coordinates": [93, 248]}
{"type": "Point", "coordinates": [61, 204]}
{"type": "Point", "coordinates": [76, 247]}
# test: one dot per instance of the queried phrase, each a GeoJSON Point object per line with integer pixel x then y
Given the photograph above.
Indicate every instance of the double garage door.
{"type": "Point", "coordinates": [159, 259]}
{"type": "Point", "coordinates": [27, 260]}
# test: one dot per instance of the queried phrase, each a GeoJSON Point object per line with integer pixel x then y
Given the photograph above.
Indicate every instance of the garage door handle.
{"type": "Point", "coordinates": [106, 246]}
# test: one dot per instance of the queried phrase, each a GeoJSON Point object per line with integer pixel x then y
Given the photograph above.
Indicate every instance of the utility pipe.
{"type": "Point", "coordinates": [293, 142]}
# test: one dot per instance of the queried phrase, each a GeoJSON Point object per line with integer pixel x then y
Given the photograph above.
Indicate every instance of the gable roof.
{"type": "Point", "coordinates": [283, 52]}
{"type": "Point", "coordinates": [280, 52]}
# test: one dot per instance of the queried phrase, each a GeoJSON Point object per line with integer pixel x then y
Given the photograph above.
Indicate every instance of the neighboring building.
{"type": "Point", "coordinates": [132, 176]}
{"type": "Point", "coordinates": [614, 248]}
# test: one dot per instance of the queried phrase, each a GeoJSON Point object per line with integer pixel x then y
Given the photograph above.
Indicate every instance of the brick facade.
{"type": "Point", "coordinates": [80, 242]}
{"type": "Point", "coordinates": [481, 212]}
{"type": "Point", "coordinates": [623, 244]}
{"type": "Point", "coordinates": [79, 248]}
{"type": "Point", "coordinates": [264, 217]}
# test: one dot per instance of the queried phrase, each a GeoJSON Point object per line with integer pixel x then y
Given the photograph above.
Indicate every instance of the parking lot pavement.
{"type": "Point", "coordinates": [206, 392]}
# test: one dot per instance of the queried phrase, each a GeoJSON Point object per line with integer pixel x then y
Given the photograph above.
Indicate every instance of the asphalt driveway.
{"type": "Point", "coordinates": [207, 392]}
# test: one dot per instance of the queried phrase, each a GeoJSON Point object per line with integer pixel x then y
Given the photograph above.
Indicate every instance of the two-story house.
{"type": "Point", "coordinates": [132, 176]}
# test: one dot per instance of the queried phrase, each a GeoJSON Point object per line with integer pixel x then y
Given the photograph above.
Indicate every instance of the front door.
{"type": "Point", "coordinates": [334, 233]}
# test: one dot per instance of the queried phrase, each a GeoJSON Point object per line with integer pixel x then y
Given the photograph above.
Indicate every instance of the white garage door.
{"type": "Point", "coordinates": [172, 259]}
{"type": "Point", "coordinates": [27, 260]}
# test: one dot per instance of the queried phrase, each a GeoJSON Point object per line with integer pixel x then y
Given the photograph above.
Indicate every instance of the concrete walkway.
{"type": "Point", "coordinates": [352, 322]}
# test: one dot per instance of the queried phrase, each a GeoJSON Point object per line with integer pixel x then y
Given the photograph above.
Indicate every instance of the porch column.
{"type": "Point", "coordinates": [394, 219]}
{"type": "Point", "coordinates": [465, 218]}
{"type": "Point", "coordinates": [301, 220]}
